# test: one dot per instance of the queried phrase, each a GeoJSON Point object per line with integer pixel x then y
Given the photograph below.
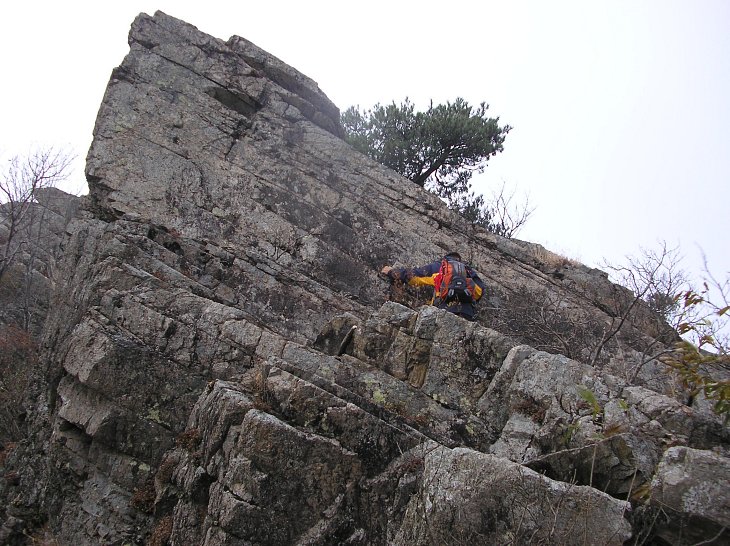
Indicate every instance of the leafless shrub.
{"type": "Point", "coordinates": [559, 261]}
{"type": "Point", "coordinates": [498, 214]}
{"type": "Point", "coordinates": [545, 321]}
{"type": "Point", "coordinates": [284, 241]}
{"type": "Point", "coordinates": [508, 217]}
{"type": "Point", "coordinates": [20, 182]}
{"type": "Point", "coordinates": [654, 276]}
{"type": "Point", "coordinates": [701, 359]}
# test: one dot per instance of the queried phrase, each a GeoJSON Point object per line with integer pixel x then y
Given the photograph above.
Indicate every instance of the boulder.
{"type": "Point", "coordinates": [691, 489]}
{"type": "Point", "coordinates": [471, 497]}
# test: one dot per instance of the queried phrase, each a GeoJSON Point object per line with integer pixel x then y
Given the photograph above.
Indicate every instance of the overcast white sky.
{"type": "Point", "coordinates": [620, 109]}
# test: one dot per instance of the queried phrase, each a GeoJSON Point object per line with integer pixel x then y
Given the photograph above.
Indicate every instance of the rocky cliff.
{"type": "Point", "coordinates": [222, 363]}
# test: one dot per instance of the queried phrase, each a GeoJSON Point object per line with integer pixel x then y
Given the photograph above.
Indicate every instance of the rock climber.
{"type": "Point", "coordinates": [457, 286]}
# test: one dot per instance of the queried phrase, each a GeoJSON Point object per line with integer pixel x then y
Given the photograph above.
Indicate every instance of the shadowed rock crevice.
{"type": "Point", "coordinates": [235, 101]}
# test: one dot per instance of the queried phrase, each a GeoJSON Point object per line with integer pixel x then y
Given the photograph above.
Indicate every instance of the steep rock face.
{"type": "Point", "coordinates": [36, 246]}
{"type": "Point", "coordinates": [220, 365]}
{"type": "Point", "coordinates": [220, 144]}
{"type": "Point", "coordinates": [396, 444]}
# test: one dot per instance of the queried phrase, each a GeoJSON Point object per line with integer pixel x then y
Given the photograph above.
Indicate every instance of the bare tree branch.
{"type": "Point", "coordinates": [19, 184]}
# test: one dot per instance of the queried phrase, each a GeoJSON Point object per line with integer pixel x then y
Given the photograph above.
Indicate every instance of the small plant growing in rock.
{"type": "Point", "coordinates": [568, 432]}
{"type": "Point", "coordinates": [42, 537]}
{"type": "Point", "coordinates": [166, 470]}
{"type": "Point", "coordinates": [263, 398]}
{"type": "Point", "coordinates": [589, 397]}
{"type": "Point", "coordinates": [161, 533]}
{"type": "Point", "coordinates": [143, 498]}
{"type": "Point", "coordinates": [189, 439]}
{"type": "Point", "coordinates": [532, 408]}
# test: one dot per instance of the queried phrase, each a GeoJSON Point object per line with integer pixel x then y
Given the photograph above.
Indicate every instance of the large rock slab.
{"type": "Point", "coordinates": [470, 497]}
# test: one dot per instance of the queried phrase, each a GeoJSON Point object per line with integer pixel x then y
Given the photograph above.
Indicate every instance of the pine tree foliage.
{"type": "Point", "coordinates": [438, 149]}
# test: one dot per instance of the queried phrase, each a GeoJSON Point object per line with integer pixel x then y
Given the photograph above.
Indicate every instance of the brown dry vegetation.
{"type": "Point", "coordinates": [18, 357]}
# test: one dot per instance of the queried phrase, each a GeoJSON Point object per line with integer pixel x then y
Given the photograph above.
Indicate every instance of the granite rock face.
{"type": "Point", "coordinates": [222, 363]}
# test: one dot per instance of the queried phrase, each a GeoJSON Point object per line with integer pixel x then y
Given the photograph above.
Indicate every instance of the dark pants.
{"type": "Point", "coordinates": [464, 310]}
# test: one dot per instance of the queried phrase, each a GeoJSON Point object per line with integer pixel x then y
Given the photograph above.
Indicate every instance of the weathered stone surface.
{"type": "Point", "coordinates": [220, 364]}
{"type": "Point", "coordinates": [578, 424]}
{"type": "Point", "coordinates": [270, 482]}
{"type": "Point", "coordinates": [692, 488]}
{"type": "Point", "coordinates": [469, 497]}
{"type": "Point", "coordinates": [442, 355]}
{"type": "Point", "coordinates": [228, 139]}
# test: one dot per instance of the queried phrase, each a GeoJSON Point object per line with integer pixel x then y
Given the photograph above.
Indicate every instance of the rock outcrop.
{"type": "Point", "coordinates": [31, 252]}
{"type": "Point", "coordinates": [222, 364]}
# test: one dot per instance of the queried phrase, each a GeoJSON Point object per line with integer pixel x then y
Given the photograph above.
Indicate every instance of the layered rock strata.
{"type": "Point", "coordinates": [221, 365]}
